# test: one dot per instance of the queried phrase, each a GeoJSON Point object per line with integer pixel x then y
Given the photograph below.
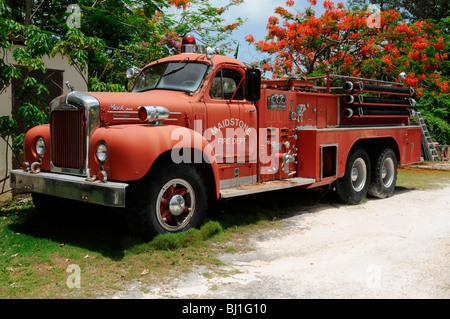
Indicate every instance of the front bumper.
{"type": "Point", "coordinates": [70, 187]}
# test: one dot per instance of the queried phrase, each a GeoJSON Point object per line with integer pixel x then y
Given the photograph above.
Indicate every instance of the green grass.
{"type": "Point", "coordinates": [36, 250]}
{"type": "Point", "coordinates": [422, 178]}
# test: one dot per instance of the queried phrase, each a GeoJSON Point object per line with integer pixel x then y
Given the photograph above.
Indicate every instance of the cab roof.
{"type": "Point", "coordinates": [218, 59]}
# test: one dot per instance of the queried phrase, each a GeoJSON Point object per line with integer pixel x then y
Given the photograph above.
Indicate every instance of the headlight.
{"type": "Point", "coordinates": [102, 152]}
{"type": "Point", "coordinates": [40, 146]}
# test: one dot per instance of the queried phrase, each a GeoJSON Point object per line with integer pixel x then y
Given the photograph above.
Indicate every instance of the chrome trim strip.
{"type": "Point", "coordinates": [355, 127]}
{"type": "Point", "coordinates": [70, 187]}
{"type": "Point", "coordinates": [362, 127]}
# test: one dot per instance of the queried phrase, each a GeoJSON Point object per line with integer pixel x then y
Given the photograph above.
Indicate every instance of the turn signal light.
{"type": "Point", "coordinates": [26, 166]}
{"type": "Point", "coordinates": [102, 176]}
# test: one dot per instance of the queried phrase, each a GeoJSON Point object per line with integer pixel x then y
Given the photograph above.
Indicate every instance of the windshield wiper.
{"type": "Point", "coordinates": [174, 70]}
{"type": "Point", "coordinates": [177, 69]}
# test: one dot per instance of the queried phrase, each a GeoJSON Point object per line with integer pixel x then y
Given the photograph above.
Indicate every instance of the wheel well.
{"type": "Point", "coordinates": [373, 146]}
{"type": "Point", "coordinates": [197, 159]}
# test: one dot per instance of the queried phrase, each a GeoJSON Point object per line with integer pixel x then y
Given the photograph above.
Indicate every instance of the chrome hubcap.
{"type": "Point", "coordinates": [359, 174]}
{"type": "Point", "coordinates": [175, 205]}
{"type": "Point", "coordinates": [387, 172]}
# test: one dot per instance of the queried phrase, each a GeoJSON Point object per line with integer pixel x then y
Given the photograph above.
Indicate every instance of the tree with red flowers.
{"type": "Point", "coordinates": [359, 43]}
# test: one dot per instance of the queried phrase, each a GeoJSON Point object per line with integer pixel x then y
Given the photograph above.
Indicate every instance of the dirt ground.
{"type": "Point", "coordinates": [392, 248]}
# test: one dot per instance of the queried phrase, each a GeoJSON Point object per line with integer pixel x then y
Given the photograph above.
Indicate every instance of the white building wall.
{"type": "Point", "coordinates": [58, 63]}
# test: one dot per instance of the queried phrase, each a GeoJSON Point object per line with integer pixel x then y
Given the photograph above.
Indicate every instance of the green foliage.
{"type": "Point", "coordinates": [96, 85]}
{"type": "Point", "coordinates": [413, 10]}
{"type": "Point", "coordinates": [206, 22]}
{"type": "Point", "coordinates": [444, 27]}
{"type": "Point", "coordinates": [435, 110]}
{"type": "Point", "coordinates": [33, 110]}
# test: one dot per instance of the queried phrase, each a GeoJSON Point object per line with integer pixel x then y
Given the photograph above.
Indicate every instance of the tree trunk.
{"type": "Point", "coordinates": [28, 13]}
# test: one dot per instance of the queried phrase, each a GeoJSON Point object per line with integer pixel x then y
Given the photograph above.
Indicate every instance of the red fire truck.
{"type": "Point", "coordinates": [197, 126]}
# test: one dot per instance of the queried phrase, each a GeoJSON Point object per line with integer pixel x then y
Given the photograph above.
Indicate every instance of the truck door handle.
{"type": "Point", "coordinates": [250, 111]}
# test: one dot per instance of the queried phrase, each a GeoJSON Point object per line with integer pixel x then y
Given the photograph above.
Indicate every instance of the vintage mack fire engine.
{"type": "Point", "coordinates": [199, 125]}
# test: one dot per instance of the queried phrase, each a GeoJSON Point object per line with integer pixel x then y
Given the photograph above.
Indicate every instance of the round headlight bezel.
{"type": "Point", "coordinates": [40, 146]}
{"type": "Point", "coordinates": [102, 152]}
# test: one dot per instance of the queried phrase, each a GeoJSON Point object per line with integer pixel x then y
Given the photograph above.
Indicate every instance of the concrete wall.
{"type": "Point", "coordinates": [69, 74]}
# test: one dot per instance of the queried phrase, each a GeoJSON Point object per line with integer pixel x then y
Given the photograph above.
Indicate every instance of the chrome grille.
{"type": "Point", "coordinates": [68, 138]}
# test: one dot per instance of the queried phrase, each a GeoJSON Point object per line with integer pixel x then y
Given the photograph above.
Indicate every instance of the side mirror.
{"type": "Point", "coordinates": [132, 72]}
{"type": "Point", "coordinates": [252, 85]}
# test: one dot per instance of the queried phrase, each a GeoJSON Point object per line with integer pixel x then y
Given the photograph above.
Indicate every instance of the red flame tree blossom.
{"type": "Point", "coordinates": [359, 43]}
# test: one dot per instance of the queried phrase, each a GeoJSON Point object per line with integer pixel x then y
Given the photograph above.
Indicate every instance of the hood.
{"type": "Point", "coordinates": [122, 107]}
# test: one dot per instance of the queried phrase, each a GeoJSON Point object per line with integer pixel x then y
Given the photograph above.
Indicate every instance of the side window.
{"type": "Point", "coordinates": [224, 85]}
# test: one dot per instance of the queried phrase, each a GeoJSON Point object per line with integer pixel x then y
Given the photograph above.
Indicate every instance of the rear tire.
{"type": "Point", "coordinates": [384, 177]}
{"type": "Point", "coordinates": [352, 188]}
{"type": "Point", "coordinates": [169, 200]}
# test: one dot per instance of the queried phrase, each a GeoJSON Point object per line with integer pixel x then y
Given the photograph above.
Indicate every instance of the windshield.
{"type": "Point", "coordinates": [179, 76]}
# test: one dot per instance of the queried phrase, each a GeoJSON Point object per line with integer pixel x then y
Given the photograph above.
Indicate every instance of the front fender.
{"type": "Point", "coordinates": [133, 149]}
{"type": "Point", "coordinates": [29, 145]}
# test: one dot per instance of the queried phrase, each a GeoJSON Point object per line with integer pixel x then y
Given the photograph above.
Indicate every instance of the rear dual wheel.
{"type": "Point", "coordinates": [361, 178]}
{"type": "Point", "coordinates": [384, 177]}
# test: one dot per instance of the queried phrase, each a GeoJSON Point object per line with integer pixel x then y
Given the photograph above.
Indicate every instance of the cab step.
{"type": "Point", "coordinates": [266, 186]}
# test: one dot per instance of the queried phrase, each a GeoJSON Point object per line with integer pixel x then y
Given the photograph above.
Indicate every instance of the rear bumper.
{"type": "Point", "coordinates": [70, 187]}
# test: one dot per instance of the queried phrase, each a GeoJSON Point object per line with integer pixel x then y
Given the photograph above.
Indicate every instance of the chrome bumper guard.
{"type": "Point", "coordinates": [70, 187]}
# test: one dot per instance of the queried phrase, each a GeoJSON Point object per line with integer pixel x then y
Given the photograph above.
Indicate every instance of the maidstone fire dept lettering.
{"type": "Point", "coordinates": [235, 130]}
{"type": "Point", "coordinates": [231, 122]}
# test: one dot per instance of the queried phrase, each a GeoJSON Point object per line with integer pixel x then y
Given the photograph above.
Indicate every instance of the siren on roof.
{"type": "Point", "coordinates": [188, 44]}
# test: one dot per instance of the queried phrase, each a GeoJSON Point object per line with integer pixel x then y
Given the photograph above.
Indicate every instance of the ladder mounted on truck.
{"type": "Point", "coordinates": [429, 149]}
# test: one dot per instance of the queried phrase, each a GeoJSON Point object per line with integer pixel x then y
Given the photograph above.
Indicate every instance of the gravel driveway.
{"type": "Point", "coordinates": [392, 248]}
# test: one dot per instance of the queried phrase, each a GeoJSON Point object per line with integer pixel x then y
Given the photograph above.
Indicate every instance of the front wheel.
{"type": "Point", "coordinates": [352, 188]}
{"type": "Point", "coordinates": [172, 199]}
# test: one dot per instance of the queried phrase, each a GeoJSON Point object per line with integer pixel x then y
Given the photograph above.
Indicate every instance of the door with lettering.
{"type": "Point", "coordinates": [231, 121]}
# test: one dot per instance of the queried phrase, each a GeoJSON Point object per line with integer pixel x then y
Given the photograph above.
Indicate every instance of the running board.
{"type": "Point", "coordinates": [265, 187]}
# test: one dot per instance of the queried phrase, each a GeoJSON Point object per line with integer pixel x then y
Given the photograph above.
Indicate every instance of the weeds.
{"type": "Point", "coordinates": [193, 237]}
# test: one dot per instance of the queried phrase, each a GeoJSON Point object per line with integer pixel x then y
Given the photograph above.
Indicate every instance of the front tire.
{"type": "Point", "coordinates": [352, 188]}
{"type": "Point", "coordinates": [384, 177]}
{"type": "Point", "coordinates": [171, 199]}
